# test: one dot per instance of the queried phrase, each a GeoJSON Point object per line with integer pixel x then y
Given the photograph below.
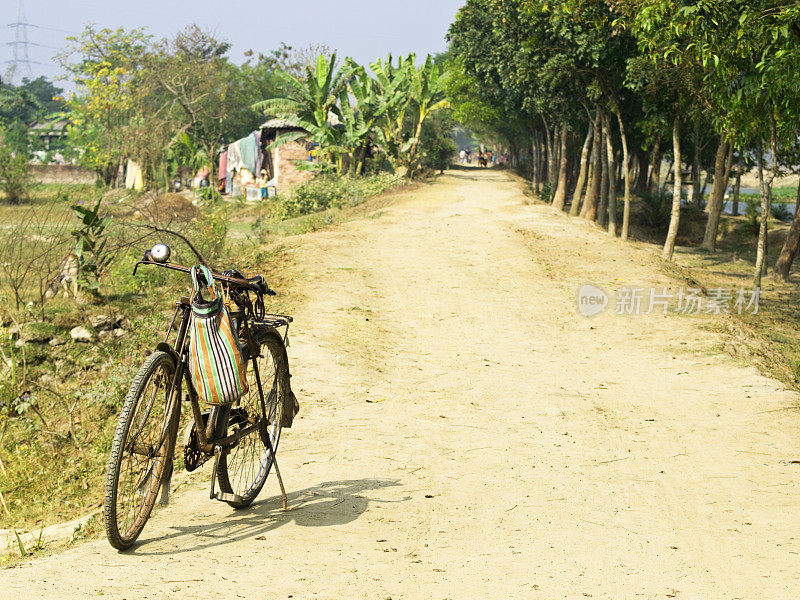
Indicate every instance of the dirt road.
{"type": "Point", "coordinates": [466, 434]}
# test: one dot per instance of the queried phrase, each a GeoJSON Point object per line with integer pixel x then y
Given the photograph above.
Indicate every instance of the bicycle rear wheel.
{"type": "Point", "coordinates": [144, 442]}
{"type": "Point", "coordinates": [244, 469]}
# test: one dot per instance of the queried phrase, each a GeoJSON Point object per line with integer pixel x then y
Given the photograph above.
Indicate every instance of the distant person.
{"type": "Point", "coordinates": [481, 159]}
{"type": "Point", "coordinates": [462, 156]}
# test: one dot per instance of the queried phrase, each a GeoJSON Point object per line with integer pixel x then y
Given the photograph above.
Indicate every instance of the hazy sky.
{"type": "Point", "coordinates": [362, 29]}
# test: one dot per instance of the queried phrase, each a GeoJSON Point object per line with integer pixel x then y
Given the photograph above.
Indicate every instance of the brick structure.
{"type": "Point", "coordinates": [285, 158]}
{"type": "Point", "coordinates": [281, 163]}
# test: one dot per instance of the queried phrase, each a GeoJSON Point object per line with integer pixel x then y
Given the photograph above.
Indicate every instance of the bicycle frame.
{"type": "Point", "coordinates": [180, 352]}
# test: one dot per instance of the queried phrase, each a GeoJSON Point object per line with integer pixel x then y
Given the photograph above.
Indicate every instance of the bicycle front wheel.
{"type": "Point", "coordinates": [244, 469]}
{"type": "Point", "coordinates": [144, 442]}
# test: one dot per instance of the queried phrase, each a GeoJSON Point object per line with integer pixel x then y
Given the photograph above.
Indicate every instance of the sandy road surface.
{"type": "Point", "coordinates": [465, 434]}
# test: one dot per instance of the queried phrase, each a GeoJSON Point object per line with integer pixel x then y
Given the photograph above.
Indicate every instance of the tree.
{"type": "Point", "coordinates": [104, 64]}
{"type": "Point", "coordinates": [427, 96]}
{"type": "Point", "coordinates": [138, 97]}
{"type": "Point", "coordinates": [311, 105]}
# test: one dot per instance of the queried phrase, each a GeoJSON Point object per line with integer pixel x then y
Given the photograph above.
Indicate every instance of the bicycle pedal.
{"type": "Point", "coordinates": [223, 497]}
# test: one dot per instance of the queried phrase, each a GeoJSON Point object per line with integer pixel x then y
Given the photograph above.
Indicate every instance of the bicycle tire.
{"type": "Point", "coordinates": [244, 469]}
{"type": "Point", "coordinates": [130, 493]}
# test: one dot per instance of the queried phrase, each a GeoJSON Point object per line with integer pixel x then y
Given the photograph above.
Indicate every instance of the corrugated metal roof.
{"type": "Point", "coordinates": [279, 123]}
{"type": "Point", "coordinates": [56, 124]}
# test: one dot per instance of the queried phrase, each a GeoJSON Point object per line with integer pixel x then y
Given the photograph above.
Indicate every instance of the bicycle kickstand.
{"type": "Point", "coordinates": [278, 473]}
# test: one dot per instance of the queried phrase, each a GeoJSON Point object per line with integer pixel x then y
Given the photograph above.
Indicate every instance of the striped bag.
{"type": "Point", "coordinates": [216, 363]}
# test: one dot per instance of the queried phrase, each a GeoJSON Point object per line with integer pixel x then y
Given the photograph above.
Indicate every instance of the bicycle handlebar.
{"type": "Point", "coordinates": [255, 284]}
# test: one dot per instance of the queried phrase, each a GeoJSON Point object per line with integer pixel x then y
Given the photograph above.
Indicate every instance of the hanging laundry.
{"type": "Point", "coordinates": [133, 177]}
{"type": "Point", "coordinates": [222, 173]}
{"type": "Point", "coordinates": [248, 150]}
{"type": "Point", "coordinates": [233, 162]}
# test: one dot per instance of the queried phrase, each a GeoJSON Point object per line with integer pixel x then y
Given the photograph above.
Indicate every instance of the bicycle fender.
{"type": "Point", "coordinates": [165, 347]}
{"type": "Point", "coordinates": [290, 405]}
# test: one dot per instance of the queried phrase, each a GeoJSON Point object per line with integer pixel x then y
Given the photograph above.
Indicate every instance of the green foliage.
{"type": "Point", "coordinates": [752, 215]}
{"type": "Point", "coordinates": [428, 95]}
{"type": "Point", "coordinates": [438, 153]}
{"type": "Point", "coordinates": [330, 191]}
{"type": "Point", "coordinates": [22, 105]}
{"type": "Point", "coordinates": [437, 147]}
{"type": "Point", "coordinates": [781, 212]}
{"type": "Point", "coordinates": [15, 180]}
{"type": "Point", "coordinates": [319, 105]}
{"type": "Point", "coordinates": [163, 103]}
{"type": "Point", "coordinates": [90, 249]}
{"type": "Point", "coordinates": [211, 230]}
{"type": "Point", "coordinates": [656, 209]}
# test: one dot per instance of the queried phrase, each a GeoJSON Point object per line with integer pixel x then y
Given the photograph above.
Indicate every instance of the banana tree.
{"type": "Point", "coordinates": [427, 95]}
{"type": "Point", "coordinates": [372, 104]}
{"type": "Point", "coordinates": [311, 104]}
{"type": "Point", "coordinates": [393, 84]}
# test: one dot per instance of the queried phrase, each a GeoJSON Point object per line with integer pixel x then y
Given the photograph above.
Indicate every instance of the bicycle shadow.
{"type": "Point", "coordinates": [327, 504]}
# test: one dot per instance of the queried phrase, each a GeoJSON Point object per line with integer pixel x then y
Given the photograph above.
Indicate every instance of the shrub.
{"type": "Point", "coordinates": [752, 215]}
{"type": "Point", "coordinates": [212, 231]}
{"type": "Point", "coordinates": [781, 212]}
{"type": "Point", "coordinates": [438, 153]}
{"type": "Point", "coordinates": [15, 181]}
{"type": "Point", "coordinates": [91, 252]}
{"type": "Point", "coordinates": [656, 210]}
{"type": "Point", "coordinates": [330, 191]}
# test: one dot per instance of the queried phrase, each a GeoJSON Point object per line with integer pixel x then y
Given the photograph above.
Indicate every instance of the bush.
{"type": "Point", "coordinates": [781, 212]}
{"type": "Point", "coordinates": [330, 191]}
{"type": "Point", "coordinates": [546, 192]}
{"type": "Point", "coordinates": [438, 152]}
{"type": "Point", "coordinates": [752, 214]}
{"type": "Point", "coordinates": [15, 181]}
{"type": "Point", "coordinates": [656, 210]}
{"type": "Point", "coordinates": [212, 231]}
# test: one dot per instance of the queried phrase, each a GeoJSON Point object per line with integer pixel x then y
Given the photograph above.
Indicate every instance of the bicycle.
{"type": "Point", "coordinates": [242, 436]}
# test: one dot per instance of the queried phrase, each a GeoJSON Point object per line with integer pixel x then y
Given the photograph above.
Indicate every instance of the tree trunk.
{"type": "Point", "coordinates": [626, 214]}
{"type": "Point", "coordinates": [766, 202]}
{"type": "Point", "coordinates": [717, 196]}
{"type": "Point", "coordinates": [612, 179]}
{"type": "Point", "coordinates": [560, 197]}
{"type": "Point", "coordinates": [670, 172]}
{"type": "Point", "coordinates": [589, 177]}
{"type": "Point", "coordinates": [696, 175]}
{"type": "Point", "coordinates": [607, 174]}
{"type": "Point", "coordinates": [790, 246]}
{"type": "Point", "coordinates": [589, 210]}
{"type": "Point", "coordinates": [541, 144]}
{"type": "Point", "coordinates": [675, 216]}
{"type": "Point", "coordinates": [643, 160]}
{"type": "Point", "coordinates": [576, 196]}
{"type": "Point", "coordinates": [654, 180]}
{"type": "Point", "coordinates": [548, 148]}
{"type": "Point", "coordinates": [703, 190]}
{"type": "Point", "coordinates": [761, 245]}
{"type": "Point", "coordinates": [737, 185]}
